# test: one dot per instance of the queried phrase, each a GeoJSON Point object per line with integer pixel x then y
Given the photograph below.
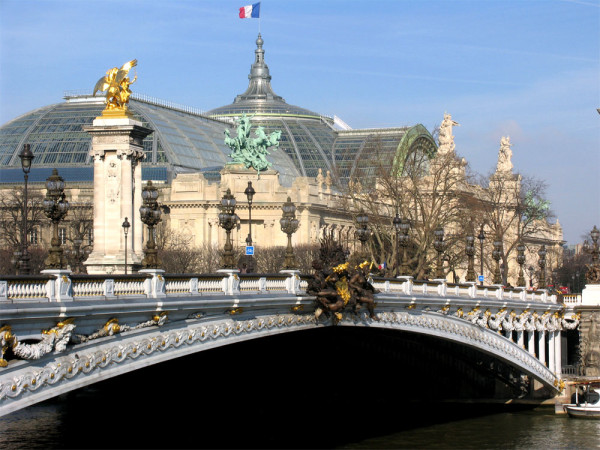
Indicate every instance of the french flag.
{"type": "Point", "coordinates": [250, 11]}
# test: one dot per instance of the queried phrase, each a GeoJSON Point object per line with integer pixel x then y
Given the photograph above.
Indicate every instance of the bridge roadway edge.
{"type": "Point", "coordinates": [262, 315]}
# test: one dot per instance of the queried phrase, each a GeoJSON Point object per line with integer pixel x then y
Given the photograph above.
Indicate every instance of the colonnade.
{"type": "Point", "coordinates": [530, 340]}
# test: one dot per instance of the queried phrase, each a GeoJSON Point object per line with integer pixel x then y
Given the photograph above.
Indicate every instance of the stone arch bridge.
{"type": "Point", "coordinates": [60, 332]}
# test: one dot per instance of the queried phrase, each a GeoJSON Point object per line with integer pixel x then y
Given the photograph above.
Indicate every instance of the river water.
{"type": "Point", "coordinates": [64, 423]}
{"type": "Point", "coordinates": [292, 391]}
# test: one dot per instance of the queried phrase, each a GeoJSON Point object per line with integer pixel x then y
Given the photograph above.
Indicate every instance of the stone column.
{"type": "Point", "coordinates": [551, 352]}
{"type": "Point", "coordinates": [117, 150]}
{"type": "Point", "coordinates": [531, 342]}
{"type": "Point", "coordinates": [557, 352]}
{"type": "Point", "coordinates": [542, 346]}
{"type": "Point", "coordinates": [520, 338]}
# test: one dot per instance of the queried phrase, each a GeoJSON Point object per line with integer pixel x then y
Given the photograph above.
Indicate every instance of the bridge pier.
{"type": "Point", "coordinates": [117, 150]}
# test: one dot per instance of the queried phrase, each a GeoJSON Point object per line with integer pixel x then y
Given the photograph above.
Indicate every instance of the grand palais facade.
{"type": "Point", "coordinates": [317, 164]}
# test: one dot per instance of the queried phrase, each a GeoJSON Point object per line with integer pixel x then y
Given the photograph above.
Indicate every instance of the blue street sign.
{"type": "Point", "coordinates": [250, 250]}
{"type": "Point", "coordinates": [480, 277]}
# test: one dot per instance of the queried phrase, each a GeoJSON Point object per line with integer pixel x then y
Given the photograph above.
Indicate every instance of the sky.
{"type": "Point", "coordinates": [527, 69]}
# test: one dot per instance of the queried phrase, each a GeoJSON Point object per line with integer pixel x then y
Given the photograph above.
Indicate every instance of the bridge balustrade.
{"type": "Point", "coordinates": [468, 290]}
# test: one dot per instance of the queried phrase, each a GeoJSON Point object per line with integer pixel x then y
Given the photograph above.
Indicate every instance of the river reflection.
{"type": "Point", "coordinates": [53, 425]}
{"type": "Point", "coordinates": [535, 429]}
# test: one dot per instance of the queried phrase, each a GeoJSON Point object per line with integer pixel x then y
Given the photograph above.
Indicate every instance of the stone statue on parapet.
{"type": "Point", "coordinates": [445, 138]}
{"type": "Point", "coordinates": [504, 156]}
{"type": "Point", "coordinates": [116, 84]}
{"type": "Point", "coordinates": [251, 152]}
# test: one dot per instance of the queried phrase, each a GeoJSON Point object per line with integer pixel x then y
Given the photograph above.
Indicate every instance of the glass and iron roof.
{"type": "Point", "coordinates": [311, 140]}
{"type": "Point", "coordinates": [182, 141]}
{"type": "Point", "coordinates": [186, 140]}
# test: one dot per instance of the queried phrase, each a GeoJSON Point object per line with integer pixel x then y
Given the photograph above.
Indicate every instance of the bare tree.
{"type": "Point", "coordinates": [80, 220]}
{"type": "Point", "coordinates": [428, 190]}
{"type": "Point", "coordinates": [12, 233]}
{"type": "Point", "coordinates": [513, 209]}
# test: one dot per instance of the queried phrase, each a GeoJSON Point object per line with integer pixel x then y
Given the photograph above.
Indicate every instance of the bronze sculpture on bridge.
{"type": "Point", "coordinates": [339, 284]}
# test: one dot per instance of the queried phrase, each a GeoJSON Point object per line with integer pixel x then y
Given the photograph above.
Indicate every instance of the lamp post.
{"type": "Point", "coordinates": [531, 269]}
{"type": "Point", "coordinates": [470, 251]}
{"type": "Point", "coordinates": [439, 246]}
{"type": "Point", "coordinates": [362, 229]}
{"type": "Point", "coordinates": [126, 226]}
{"type": "Point", "coordinates": [150, 215]}
{"type": "Point", "coordinates": [77, 244]}
{"type": "Point", "coordinates": [594, 249]}
{"type": "Point", "coordinates": [55, 208]}
{"type": "Point", "coordinates": [26, 158]}
{"type": "Point", "coordinates": [249, 195]}
{"type": "Point", "coordinates": [397, 222]}
{"type": "Point", "coordinates": [405, 227]}
{"type": "Point", "coordinates": [289, 225]}
{"type": "Point", "coordinates": [521, 261]}
{"type": "Point", "coordinates": [497, 255]}
{"type": "Point", "coordinates": [227, 220]}
{"type": "Point", "coordinates": [481, 238]}
{"type": "Point", "coordinates": [542, 263]}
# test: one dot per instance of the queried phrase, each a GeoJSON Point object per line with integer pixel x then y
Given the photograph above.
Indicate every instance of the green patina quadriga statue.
{"type": "Point", "coordinates": [251, 152]}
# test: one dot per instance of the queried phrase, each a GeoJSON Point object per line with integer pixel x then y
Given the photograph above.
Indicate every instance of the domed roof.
{"type": "Point", "coordinates": [311, 140]}
{"type": "Point", "coordinates": [182, 141]}
{"type": "Point", "coordinates": [259, 99]}
{"type": "Point", "coordinates": [185, 140]}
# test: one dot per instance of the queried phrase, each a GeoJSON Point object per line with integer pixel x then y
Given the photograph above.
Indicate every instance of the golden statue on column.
{"type": "Point", "coordinates": [116, 84]}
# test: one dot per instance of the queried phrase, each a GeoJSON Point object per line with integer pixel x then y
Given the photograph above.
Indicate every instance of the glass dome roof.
{"type": "Point", "coordinates": [311, 140]}
{"type": "Point", "coordinates": [182, 141]}
{"type": "Point", "coordinates": [185, 140]}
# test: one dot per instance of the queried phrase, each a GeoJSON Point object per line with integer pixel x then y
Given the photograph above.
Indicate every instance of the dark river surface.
{"type": "Point", "coordinates": [62, 424]}
{"type": "Point", "coordinates": [320, 389]}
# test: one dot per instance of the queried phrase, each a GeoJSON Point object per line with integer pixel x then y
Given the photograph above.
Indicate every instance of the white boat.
{"type": "Point", "coordinates": [587, 403]}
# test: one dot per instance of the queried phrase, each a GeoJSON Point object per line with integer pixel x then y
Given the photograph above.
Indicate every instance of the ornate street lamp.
{"type": "Point", "coordinates": [362, 229]}
{"type": "Point", "coordinates": [470, 251]}
{"type": "Point", "coordinates": [249, 261]}
{"type": "Point", "coordinates": [126, 226]}
{"type": "Point", "coordinates": [26, 158]}
{"type": "Point", "coordinates": [497, 255]}
{"type": "Point", "coordinates": [397, 222]}
{"type": "Point", "coordinates": [439, 246]}
{"type": "Point", "coordinates": [150, 215]}
{"type": "Point", "coordinates": [521, 261]}
{"type": "Point", "coordinates": [289, 225]}
{"type": "Point", "coordinates": [405, 228]}
{"type": "Point", "coordinates": [77, 250]}
{"type": "Point", "coordinates": [55, 207]}
{"type": "Point", "coordinates": [227, 220]}
{"type": "Point", "coordinates": [481, 238]}
{"type": "Point", "coordinates": [542, 263]}
{"type": "Point", "coordinates": [530, 270]}
{"type": "Point", "coordinates": [594, 250]}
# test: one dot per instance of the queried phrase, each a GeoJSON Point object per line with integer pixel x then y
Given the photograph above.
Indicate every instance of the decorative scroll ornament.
{"type": "Point", "coordinates": [112, 327]}
{"type": "Point", "coordinates": [55, 339]}
{"type": "Point", "coordinates": [116, 85]}
{"type": "Point", "coordinates": [251, 152]}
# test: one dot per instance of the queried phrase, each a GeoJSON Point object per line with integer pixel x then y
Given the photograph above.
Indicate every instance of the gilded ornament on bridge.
{"type": "Point", "coordinates": [251, 152]}
{"type": "Point", "coordinates": [339, 285]}
{"type": "Point", "coordinates": [116, 84]}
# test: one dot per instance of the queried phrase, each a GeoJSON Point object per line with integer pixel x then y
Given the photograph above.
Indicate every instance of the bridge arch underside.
{"type": "Point", "coordinates": [423, 356]}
